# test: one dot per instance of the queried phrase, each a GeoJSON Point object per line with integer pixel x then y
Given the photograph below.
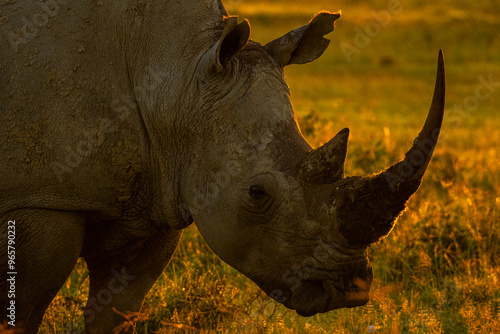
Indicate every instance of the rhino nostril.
{"type": "Point", "coordinates": [360, 292]}
{"type": "Point", "coordinates": [362, 284]}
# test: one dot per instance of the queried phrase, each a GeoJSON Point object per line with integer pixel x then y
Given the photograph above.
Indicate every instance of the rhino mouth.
{"type": "Point", "coordinates": [322, 295]}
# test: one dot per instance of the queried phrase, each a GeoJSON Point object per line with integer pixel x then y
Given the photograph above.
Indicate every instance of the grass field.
{"type": "Point", "coordinates": [438, 271]}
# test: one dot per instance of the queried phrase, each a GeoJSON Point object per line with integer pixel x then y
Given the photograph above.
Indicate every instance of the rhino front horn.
{"type": "Point", "coordinates": [367, 207]}
{"type": "Point", "coordinates": [405, 176]}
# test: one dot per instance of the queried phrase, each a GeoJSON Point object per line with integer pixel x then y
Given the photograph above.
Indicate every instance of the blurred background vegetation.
{"type": "Point", "coordinates": [438, 271]}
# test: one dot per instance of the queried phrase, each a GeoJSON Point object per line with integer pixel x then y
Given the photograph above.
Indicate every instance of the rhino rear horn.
{"type": "Point", "coordinates": [326, 164]}
{"type": "Point", "coordinates": [234, 38]}
{"type": "Point", "coordinates": [304, 44]}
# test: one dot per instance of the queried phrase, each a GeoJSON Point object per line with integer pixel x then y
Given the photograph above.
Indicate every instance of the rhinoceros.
{"type": "Point", "coordinates": [123, 122]}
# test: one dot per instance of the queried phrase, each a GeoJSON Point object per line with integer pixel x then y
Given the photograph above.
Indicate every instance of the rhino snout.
{"type": "Point", "coordinates": [328, 291]}
{"type": "Point", "coordinates": [361, 295]}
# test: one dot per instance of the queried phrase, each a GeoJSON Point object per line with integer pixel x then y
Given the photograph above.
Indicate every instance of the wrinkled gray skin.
{"type": "Point", "coordinates": [123, 122]}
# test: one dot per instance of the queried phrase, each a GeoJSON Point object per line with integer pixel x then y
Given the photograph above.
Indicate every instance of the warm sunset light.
{"type": "Point", "coordinates": [153, 178]}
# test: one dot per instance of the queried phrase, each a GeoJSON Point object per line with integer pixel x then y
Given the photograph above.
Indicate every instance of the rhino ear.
{"type": "Point", "coordinates": [304, 44]}
{"type": "Point", "coordinates": [234, 38]}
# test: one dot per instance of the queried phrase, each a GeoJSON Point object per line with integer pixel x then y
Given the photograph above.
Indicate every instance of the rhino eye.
{"type": "Point", "coordinates": [257, 192]}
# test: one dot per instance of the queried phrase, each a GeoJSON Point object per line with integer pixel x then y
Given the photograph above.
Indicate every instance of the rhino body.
{"type": "Point", "coordinates": [123, 122]}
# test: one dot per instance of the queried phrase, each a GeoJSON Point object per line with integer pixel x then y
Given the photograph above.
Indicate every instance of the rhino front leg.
{"type": "Point", "coordinates": [47, 246]}
{"type": "Point", "coordinates": [122, 282]}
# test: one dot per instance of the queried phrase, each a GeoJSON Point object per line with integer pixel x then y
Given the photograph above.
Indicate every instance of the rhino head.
{"type": "Point", "coordinates": [268, 204]}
